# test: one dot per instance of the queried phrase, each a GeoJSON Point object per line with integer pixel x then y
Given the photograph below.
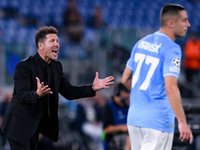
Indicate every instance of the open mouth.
{"type": "Point", "coordinates": [55, 51]}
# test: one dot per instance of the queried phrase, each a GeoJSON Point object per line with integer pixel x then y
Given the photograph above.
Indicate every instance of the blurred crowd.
{"type": "Point", "coordinates": [74, 28]}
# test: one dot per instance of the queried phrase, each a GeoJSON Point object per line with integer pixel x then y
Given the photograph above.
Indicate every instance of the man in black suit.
{"type": "Point", "coordinates": [37, 82]}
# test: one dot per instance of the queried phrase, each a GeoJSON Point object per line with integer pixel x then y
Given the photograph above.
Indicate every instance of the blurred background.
{"type": "Point", "coordinates": [95, 35]}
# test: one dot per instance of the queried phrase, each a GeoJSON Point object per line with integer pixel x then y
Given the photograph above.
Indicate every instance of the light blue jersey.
{"type": "Point", "coordinates": [153, 58]}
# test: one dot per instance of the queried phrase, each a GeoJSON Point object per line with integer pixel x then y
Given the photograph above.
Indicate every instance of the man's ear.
{"type": "Point", "coordinates": [170, 23]}
{"type": "Point", "coordinates": [40, 45]}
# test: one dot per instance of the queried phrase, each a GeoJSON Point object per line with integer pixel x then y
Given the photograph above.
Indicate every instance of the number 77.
{"type": "Point", "coordinates": [141, 58]}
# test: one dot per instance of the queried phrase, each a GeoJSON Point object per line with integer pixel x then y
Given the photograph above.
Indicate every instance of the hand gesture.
{"type": "Point", "coordinates": [41, 89]}
{"type": "Point", "coordinates": [99, 84]}
{"type": "Point", "coordinates": [185, 132]}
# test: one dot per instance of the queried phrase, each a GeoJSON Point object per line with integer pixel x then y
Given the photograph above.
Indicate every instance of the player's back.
{"type": "Point", "coordinates": [150, 62]}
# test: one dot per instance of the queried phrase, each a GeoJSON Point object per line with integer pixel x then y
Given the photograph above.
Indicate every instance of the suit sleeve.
{"type": "Point", "coordinates": [73, 92]}
{"type": "Point", "coordinates": [22, 83]}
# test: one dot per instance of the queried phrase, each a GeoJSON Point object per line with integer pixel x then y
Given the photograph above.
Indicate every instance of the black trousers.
{"type": "Point", "coordinates": [32, 145]}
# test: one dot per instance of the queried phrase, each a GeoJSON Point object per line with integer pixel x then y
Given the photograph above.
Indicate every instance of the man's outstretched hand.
{"type": "Point", "coordinates": [42, 89]}
{"type": "Point", "coordinates": [99, 84]}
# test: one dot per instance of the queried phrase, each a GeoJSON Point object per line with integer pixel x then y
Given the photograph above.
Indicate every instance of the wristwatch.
{"type": "Point", "coordinates": [36, 95]}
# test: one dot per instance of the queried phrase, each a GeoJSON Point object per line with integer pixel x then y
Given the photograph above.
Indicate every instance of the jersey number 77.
{"type": "Point", "coordinates": [148, 60]}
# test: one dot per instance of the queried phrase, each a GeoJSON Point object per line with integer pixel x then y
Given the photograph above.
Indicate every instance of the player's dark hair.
{"type": "Point", "coordinates": [42, 32]}
{"type": "Point", "coordinates": [169, 11]}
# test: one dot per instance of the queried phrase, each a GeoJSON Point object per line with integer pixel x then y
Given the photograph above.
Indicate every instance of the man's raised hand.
{"type": "Point", "coordinates": [99, 84]}
{"type": "Point", "coordinates": [42, 89]}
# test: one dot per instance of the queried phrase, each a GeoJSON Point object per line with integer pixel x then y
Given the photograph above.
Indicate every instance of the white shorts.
{"type": "Point", "coordinates": [149, 139]}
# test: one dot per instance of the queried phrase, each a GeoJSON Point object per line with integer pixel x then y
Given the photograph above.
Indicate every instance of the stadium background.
{"type": "Point", "coordinates": [104, 50]}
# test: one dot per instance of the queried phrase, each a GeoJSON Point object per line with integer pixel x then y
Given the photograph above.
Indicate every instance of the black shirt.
{"type": "Point", "coordinates": [48, 80]}
{"type": "Point", "coordinates": [47, 71]}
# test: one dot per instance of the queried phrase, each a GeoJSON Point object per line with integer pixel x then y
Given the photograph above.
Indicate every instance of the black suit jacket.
{"type": "Point", "coordinates": [25, 114]}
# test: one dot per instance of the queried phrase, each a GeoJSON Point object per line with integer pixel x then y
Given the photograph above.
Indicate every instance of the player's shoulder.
{"type": "Point", "coordinates": [172, 45]}
{"type": "Point", "coordinates": [165, 39]}
{"type": "Point", "coordinates": [166, 42]}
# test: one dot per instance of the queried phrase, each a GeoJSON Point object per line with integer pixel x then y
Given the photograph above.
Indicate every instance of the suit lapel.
{"type": "Point", "coordinates": [38, 67]}
{"type": "Point", "coordinates": [55, 76]}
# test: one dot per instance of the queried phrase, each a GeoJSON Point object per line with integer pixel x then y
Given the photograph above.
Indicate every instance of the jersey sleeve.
{"type": "Point", "coordinates": [172, 62]}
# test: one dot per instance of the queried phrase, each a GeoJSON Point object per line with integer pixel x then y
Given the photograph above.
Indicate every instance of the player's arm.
{"type": "Point", "coordinates": [108, 122]}
{"type": "Point", "coordinates": [126, 78]}
{"type": "Point", "coordinates": [112, 129]}
{"type": "Point", "coordinates": [174, 97]}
